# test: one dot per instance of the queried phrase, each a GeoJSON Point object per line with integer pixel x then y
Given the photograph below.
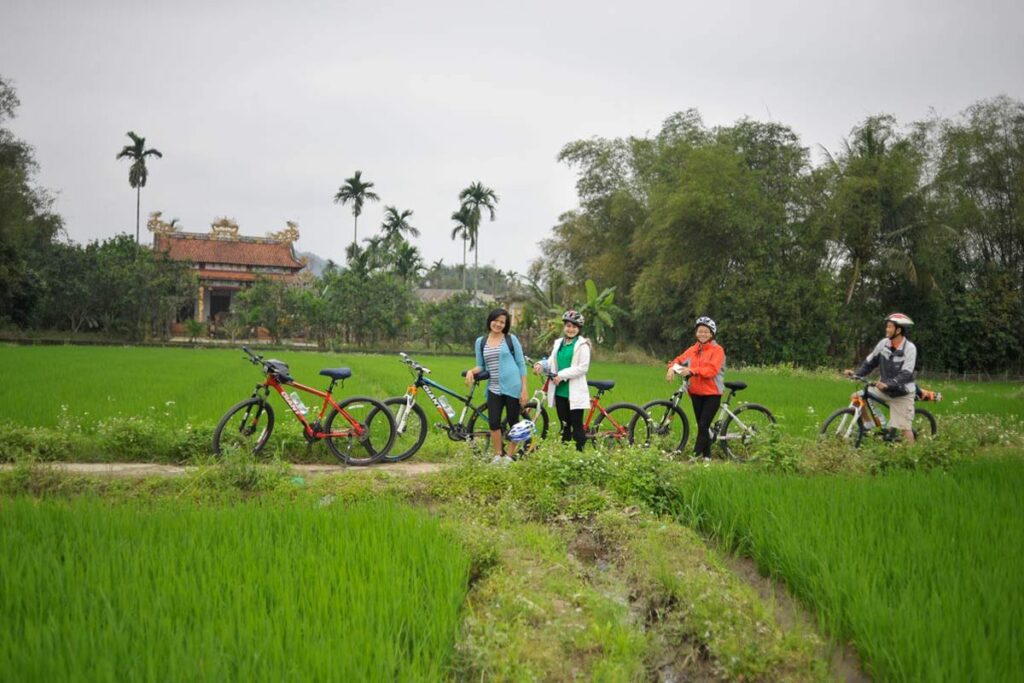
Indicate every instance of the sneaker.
{"type": "Point", "coordinates": [497, 460]}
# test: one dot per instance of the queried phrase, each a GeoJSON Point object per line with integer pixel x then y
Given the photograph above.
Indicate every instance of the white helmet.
{"type": "Point", "coordinates": [522, 431]}
{"type": "Point", "coordinates": [899, 320]}
{"type": "Point", "coordinates": [708, 323]}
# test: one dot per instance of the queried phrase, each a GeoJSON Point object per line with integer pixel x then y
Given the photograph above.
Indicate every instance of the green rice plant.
{"type": "Point", "coordinates": [91, 590]}
{"type": "Point", "coordinates": [145, 403]}
{"type": "Point", "coordinates": [921, 570]}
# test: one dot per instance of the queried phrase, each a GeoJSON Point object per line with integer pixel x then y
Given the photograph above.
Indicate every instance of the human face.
{"type": "Point", "coordinates": [891, 330]}
{"type": "Point", "coordinates": [703, 334]}
{"type": "Point", "coordinates": [498, 324]}
{"type": "Point", "coordinates": [570, 329]}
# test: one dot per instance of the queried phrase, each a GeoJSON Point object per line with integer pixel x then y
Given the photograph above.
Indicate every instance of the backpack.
{"type": "Point", "coordinates": [508, 341]}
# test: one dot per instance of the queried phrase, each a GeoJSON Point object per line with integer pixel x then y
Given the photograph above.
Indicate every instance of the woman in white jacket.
{"type": "Point", "coordinates": [567, 391]}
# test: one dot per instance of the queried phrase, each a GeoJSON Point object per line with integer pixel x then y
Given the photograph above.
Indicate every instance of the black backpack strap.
{"type": "Point", "coordinates": [511, 349]}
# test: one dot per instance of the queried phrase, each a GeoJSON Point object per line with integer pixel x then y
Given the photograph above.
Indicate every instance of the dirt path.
{"type": "Point", "coordinates": [138, 469]}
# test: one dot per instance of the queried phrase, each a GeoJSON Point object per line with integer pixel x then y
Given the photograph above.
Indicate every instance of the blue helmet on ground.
{"type": "Point", "coordinates": [522, 431]}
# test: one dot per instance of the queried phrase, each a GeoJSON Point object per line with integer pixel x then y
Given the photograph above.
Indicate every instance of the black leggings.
{"type": "Point", "coordinates": [704, 409]}
{"type": "Point", "coordinates": [495, 404]}
{"type": "Point", "coordinates": [572, 422]}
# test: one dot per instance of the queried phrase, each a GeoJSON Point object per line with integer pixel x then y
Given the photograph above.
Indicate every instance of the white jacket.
{"type": "Point", "coordinates": [576, 374]}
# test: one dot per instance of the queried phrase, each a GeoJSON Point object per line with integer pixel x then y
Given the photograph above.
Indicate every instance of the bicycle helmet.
{"type": "Point", "coordinates": [574, 317]}
{"type": "Point", "coordinates": [708, 323]}
{"type": "Point", "coordinates": [903, 322]}
{"type": "Point", "coordinates": [522, 431]}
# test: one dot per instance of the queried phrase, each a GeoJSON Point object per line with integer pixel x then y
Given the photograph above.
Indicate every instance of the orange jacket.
{"type": "Point", "coordinates": [707, 362]}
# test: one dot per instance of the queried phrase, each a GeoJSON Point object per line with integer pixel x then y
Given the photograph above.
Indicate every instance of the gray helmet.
{"type": "Point", "coordinates": [708, 323]}
{"type": "Point", "coordinates": [574, 317]}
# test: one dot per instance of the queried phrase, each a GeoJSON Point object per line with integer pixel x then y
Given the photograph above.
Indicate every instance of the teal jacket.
{"type": "Point", "coordinates": [511, 367]}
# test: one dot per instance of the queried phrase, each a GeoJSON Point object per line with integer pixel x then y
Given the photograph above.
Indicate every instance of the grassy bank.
{"type": "Point", "coordinates": [921, 571]}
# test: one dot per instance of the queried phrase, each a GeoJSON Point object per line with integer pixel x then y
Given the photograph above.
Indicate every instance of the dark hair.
{"type": "Point", "coordinates": [493, 315]}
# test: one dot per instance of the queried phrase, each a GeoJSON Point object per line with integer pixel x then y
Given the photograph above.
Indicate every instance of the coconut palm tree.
{"type": "Point", "coordinates": [396, 225]}
{"type": "Point", "coordinates": [357, 191]}
{"type": "Point", "coordinates": [477, 197]}
{"type": "Point", "coordinates": [137, 173]}
{"type": "Point", "coordinates": [463, 217]}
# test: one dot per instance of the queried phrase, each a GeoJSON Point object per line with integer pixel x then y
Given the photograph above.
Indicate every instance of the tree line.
{"type": "Point", "coordinates": [799, 261]}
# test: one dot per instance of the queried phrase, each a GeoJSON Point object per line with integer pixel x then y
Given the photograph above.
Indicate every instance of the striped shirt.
{"type": "Point", "coordinates": [492, 355]}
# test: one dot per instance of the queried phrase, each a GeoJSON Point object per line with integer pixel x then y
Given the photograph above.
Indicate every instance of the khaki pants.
{"type": "Point", "coordinates": [901, 409]}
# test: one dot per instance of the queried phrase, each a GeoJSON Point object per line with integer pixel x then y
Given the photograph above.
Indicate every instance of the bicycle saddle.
{"type": "Point", "coordinates": [336, 373]}
{"type": "Point", "coordinates": [735, 386]}
{"type": "Point", "coordinates": [478, 377]}
{"type": "Point", "coordinates": [601, 384]}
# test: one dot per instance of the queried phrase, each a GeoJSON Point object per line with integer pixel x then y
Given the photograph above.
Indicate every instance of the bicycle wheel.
{"type": "Point", "coordinates": [477, 431]}
{"type": "Point", "coordinates": [842, 425]}
{"type": "Point", "coordinates": [669, 427]}
{"type": "Point", "coordinates": [623, 424]}
{"type": "Point", "coordinates": [410, 429]}
{"type": "Point", "coordinates": [378, 427]}
{"type": "Point", "coordinates": [536, 412]}
{"type": "Point", "coordinates": [740, 435]}
{"type": "Point", "coordinates": [246, 426]}
{"type": "Point", "coordinates": [924, 424]}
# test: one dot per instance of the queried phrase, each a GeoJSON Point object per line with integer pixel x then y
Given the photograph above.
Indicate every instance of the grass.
{"type": "Point", "coordinates": [922, 571]}
{"type": "Point", "coordinates": [91, 590]}
{"type": "Point", "coordinates": [98, 403]}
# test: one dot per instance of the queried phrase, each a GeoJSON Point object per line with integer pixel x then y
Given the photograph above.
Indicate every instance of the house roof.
{"type": "Point", "coordinates": [435, 296]}
{"type": "Point", "coordinates": [242, 251]}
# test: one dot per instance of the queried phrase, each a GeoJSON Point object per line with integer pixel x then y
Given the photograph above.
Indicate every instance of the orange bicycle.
{"type": "Point", "coordinates": [364, 433]}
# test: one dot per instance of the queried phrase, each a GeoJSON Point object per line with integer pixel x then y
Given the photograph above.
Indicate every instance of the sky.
{"type": "Point", "coordinates": [263, 109]}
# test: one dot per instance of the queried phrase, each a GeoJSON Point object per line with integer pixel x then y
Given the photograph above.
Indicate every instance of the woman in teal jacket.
{"type": "Point", "coordinates": [501, 354]}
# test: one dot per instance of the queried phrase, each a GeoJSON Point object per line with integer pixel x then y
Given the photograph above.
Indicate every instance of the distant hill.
{"type": "Point", "coordinates": [316, 264]}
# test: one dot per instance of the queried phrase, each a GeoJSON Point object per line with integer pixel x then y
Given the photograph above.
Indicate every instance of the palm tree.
{"type": "Point", "coordinates": [463, 217]}
{"type": "Point", "coordinates": [137, 173]}
{"type": "Point", "coordinates": [376, 251]}
{"type": "Point", "coordinates": [477, 197]}
{"type": "Point", "coordinates": [357, 191]}
{"type": "Point", "coordinates": [396, 225]}
{"type": "Point", "coordinates": [407, 261]}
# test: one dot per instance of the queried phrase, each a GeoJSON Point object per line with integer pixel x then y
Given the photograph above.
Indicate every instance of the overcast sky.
{"type": "Point", "coordinates": [262, 109]}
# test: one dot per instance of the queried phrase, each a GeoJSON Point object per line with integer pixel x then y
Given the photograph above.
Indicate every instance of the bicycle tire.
{"type": "Point", "coordinates": [410, 429]}
{"type": "Point", "coordinates": [535, 412]}
{"type": "Point", "coordinates": [926, 426]}
{"type": "Point", "coordinates": [741, 445]}
{"type": "Point", "coordinates": [630, 426]}
{"type": "Point", "coordinates": [842, 425]}
{"type": "Point", "coordinates": [478, 438]}
{"type": "Point", "coordinates": [378, 438]}
{"type": "Point", "coordinates": [670, 430]}
{"type": "Point", "coordinates": [241, 434]}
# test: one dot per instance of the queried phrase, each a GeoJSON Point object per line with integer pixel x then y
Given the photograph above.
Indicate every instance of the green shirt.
{"type": "Point", "coordinates": [564, 360]}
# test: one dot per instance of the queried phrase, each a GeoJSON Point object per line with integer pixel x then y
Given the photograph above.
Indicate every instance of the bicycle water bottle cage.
{"type": "Point", "coordinates": [279, 369]}
{"type": "Point", "coordinates": [601, 384]}
{"type": "Point", "coordinates": [736, 386]}
{"type": "Point", "coordinates": [478, 377]}
{"type": "Point", "coordinates": [336, 373]}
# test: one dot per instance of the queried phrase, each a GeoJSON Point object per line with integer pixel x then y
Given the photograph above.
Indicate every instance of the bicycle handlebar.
{"type": "Point", "coordinates": [415, 366]}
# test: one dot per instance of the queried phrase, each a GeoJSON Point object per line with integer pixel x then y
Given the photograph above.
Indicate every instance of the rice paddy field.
{"type": "Point", "coordinates": [95, 591]}
{"type": "Point", "coordinates": [189, 389]}
{"type": "Point", "coordinates": [923, 572]}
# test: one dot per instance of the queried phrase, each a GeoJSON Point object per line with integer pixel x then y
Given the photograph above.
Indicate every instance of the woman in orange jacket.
{"type": "Point", "coordinates": [704, 365]}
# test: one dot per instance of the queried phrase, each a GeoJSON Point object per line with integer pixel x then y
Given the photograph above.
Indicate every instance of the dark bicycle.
{"type": "Point", "coordinates": [411, 421]}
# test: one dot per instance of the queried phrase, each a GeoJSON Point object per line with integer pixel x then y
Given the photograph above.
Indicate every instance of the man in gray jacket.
{"type": "Point", "coordinates": [895, 356]}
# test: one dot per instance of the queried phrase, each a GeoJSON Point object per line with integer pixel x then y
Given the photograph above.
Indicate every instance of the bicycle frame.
{"type": "Point", "coordinates": [428, 385]}
{"type": "Point", "coordinates": [724, 411]}
{"type": "Point", "coordinates": [312, 429]}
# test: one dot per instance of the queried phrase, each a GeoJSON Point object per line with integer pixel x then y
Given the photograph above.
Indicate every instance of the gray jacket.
{"type": "Point", "coordinates": [896, 366]}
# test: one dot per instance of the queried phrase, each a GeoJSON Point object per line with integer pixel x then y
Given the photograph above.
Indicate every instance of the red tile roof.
{"type": "Point", "coordinates": [244, 251]}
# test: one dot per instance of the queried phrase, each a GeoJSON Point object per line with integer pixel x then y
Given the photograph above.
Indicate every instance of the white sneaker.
{"type": "Point", "coordinates": [498, 460]}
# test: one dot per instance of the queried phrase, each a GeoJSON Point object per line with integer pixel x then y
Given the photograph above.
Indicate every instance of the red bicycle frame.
{"type": "Point", "coordinates": [328, 399]}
